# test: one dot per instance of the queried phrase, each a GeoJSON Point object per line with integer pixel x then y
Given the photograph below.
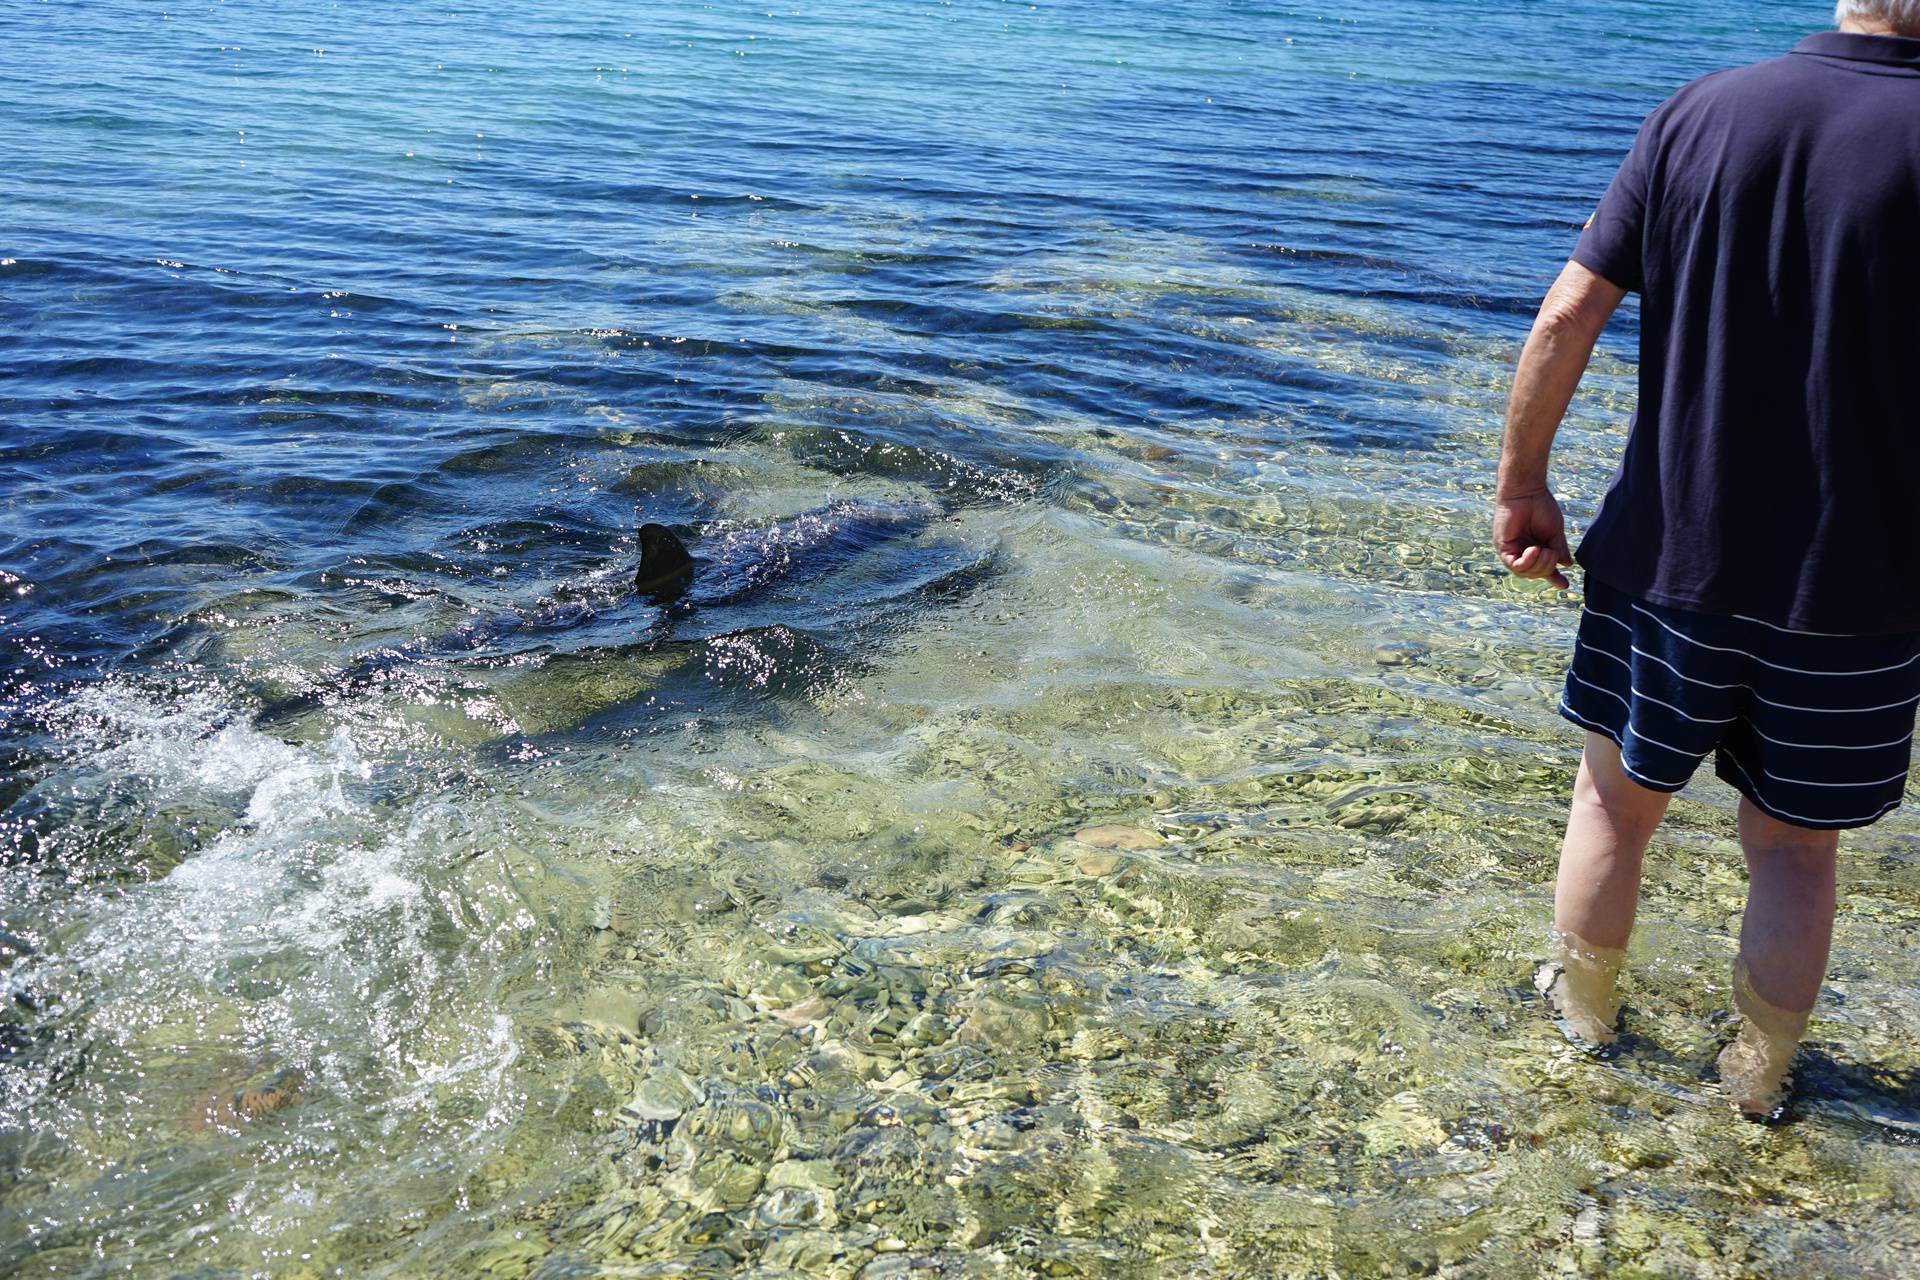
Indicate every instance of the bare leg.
{"type": "Point", "coordinates": [1598, 891]}
{"type": "Point", "coordinates": [1784, 940]}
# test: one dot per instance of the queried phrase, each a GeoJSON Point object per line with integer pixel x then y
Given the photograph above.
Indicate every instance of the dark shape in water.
{"type": "Point", "coordinates": [745, 583]}
{"type": "Point", "coordinates": [665, 565]}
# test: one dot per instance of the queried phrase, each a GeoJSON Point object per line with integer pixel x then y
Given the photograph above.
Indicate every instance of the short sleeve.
{"type": "Point", "coordinates": [1610, 245]}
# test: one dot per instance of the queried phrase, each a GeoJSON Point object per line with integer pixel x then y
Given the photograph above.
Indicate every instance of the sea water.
{"type": "Point", "coordinates": [386, 894]}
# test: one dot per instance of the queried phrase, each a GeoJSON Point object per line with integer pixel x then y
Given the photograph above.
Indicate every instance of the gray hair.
{"type": "Point", "coordinates": [1901, 15]}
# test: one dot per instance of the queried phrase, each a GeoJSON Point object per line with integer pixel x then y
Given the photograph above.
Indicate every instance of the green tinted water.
{"type": "Point", "coordinates": [527, 983]}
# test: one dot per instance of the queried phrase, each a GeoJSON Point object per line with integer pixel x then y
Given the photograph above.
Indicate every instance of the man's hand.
{"type": "Point", "coordinates": [1527, 529]}
{"type": "Point", "coordinates": [1531, 537]}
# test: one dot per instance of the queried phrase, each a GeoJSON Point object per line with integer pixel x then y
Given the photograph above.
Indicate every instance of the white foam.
{"type": "Point", "coordinates": [306, 864]}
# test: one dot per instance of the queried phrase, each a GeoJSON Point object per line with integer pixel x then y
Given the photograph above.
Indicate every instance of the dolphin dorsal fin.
{"type": "Point", "coordinates": [666, 567]}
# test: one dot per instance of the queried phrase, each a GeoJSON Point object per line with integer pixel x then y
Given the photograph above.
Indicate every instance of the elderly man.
{"type": "Point", "coordinates": [1748, 581]}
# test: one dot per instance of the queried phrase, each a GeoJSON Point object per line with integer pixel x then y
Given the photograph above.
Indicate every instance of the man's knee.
{"type": "Point", "coordinates": [1603, 784]}
{"type": "Point", "coordinates": [1782, 847]}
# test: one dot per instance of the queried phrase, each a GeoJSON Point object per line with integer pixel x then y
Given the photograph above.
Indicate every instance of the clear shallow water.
{"type": "Point", "coordinates": [752, 939]}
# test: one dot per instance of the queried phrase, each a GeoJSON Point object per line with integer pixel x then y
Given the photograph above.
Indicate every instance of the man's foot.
{"type": "Point", "coordinates": [1754, 1068]}
{"type": "Point", "coordinates": [1753, 1071]}
{"type": "Point", "coordinates": [1578, 982]}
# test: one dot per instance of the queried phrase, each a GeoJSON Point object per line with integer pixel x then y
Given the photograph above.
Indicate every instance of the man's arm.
{"type": "Point", "coordinates": [1528, 531]}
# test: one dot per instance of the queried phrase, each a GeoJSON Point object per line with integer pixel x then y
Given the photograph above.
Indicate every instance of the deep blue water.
{"type": "Point", "coordinates": [257, 255]}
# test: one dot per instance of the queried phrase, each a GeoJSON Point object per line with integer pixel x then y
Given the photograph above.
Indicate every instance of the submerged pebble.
{"type": "Point", "coordinates": [262, 1096]}
{"type": "Point", "coordinates": [1133, 839]}
{"type": "Point", "coordinates": [276, 1093]}
{"type": "Point", "coordinates": [1397, 653]}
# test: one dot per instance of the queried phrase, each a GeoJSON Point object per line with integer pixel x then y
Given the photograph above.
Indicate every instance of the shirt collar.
{"type": "Point", "coordinates": [1890, 51]}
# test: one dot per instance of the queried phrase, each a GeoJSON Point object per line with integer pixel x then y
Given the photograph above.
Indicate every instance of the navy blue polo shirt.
{"type": "Point", "coordinates": [1769, 217]}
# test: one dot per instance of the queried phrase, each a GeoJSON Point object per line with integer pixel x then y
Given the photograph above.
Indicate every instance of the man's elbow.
{"type": "Point", "coordinates": [1578, 306]}
{"type": "Point", "coordinates": [1560, 321]}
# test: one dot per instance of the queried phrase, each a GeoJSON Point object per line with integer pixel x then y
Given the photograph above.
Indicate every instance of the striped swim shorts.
{"type": "Point", "coordinates": [1815, 729]}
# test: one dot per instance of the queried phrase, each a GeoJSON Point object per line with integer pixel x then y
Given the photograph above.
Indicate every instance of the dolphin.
{"type": "Point", "coordinates": [745, 580]}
